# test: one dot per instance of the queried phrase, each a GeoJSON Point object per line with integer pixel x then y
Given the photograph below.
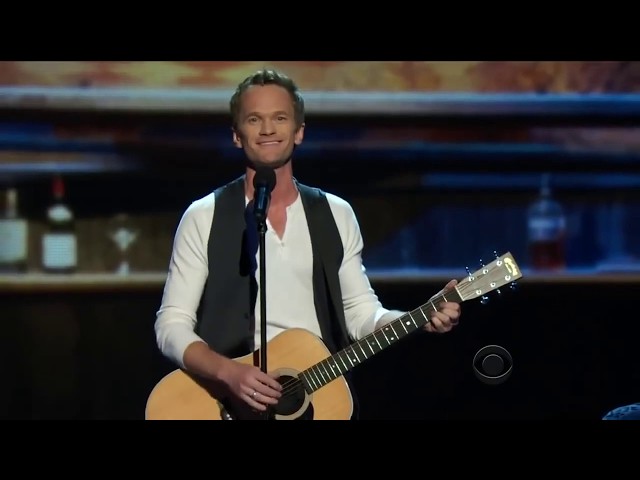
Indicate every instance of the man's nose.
{"type": "Point", "coordinates": [267, 127]}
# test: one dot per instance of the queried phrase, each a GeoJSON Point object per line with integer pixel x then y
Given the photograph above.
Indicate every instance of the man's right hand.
{"type": "Point", "coordinates": [250, 384]}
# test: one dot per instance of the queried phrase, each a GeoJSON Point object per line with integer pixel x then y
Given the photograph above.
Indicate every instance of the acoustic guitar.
{"type": "Point", "coordinates": [314, 387]}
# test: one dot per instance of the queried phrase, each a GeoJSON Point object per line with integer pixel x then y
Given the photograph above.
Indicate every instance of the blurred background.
{"type": "Point", "coordinates": [445, 163]}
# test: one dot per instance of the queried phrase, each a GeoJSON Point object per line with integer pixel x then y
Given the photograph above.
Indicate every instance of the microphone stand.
{"type": "Point", "coordinates": [262, 230]}
{"type": "Point", "coordinates": [264, 181]}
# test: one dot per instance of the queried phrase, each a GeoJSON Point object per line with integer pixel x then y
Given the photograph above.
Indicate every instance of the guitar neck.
{"type": "Point", "coordinates": [502, 271]}
{"type": "Point", "coordinates": [350, 357]}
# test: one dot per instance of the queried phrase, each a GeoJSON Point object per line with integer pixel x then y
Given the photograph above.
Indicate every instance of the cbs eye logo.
{"type": "Point", "coordinates": [492, 365]}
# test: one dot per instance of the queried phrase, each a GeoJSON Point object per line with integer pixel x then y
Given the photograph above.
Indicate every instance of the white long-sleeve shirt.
{"type": "Point", "coordinates": [289, 277]}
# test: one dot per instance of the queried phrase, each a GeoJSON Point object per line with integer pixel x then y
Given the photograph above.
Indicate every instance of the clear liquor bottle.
{"type": "Point", "coordinates": [14, 245]}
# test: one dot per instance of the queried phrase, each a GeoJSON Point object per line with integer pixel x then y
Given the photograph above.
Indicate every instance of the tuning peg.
{"type": "Point", "coordinates": [513, 286]}
{"type": "Point", "coordinates": [484, 300]}
{"type": "Point", "coordinates": [481, 263]}
{"type": "Point", "coordinates": [498, 292]}
{"type": "Point", "coordinates": [495, 254]}
{"type": "Point", "coordinates": [468, 271]}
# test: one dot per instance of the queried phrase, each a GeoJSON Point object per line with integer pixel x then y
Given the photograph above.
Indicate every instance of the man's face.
{"type": "Point", "coordinates": [266, 128]}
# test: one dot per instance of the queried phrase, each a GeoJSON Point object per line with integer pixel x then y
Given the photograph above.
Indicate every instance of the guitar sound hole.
{"type": "Point", "coordinates": [293, 396]}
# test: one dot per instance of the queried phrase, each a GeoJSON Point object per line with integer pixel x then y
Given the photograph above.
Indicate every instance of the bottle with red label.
{"type": "Point", "coordinates": [59, 241]}
{"type": "Point", "coordinates": [546, 229]}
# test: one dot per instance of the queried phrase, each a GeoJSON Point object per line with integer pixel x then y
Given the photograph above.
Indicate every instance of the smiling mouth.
{"type": "Point", "coordinates": [269, 144]}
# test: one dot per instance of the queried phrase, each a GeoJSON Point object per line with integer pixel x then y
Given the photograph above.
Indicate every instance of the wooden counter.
{"type": "Point", "coordinates": [91, 282]}
{"type": "Point", "coordinates": [94, 282]}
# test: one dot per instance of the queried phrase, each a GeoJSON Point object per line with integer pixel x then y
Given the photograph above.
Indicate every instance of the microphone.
{"type": "Point", "coordinates": [264, 181]}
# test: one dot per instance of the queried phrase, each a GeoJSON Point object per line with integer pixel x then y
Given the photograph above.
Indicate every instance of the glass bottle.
{"type": "Point", "coordinates": [59, 241]}
{"type": "Point", "coordinates": [546, 229]}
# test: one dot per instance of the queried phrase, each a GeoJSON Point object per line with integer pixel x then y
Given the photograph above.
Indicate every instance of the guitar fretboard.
{"type": "Point", "coordinates": [338, 364]}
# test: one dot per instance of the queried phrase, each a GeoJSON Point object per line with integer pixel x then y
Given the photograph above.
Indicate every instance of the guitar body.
{"type": "Point", "coordinates": [181, 396]}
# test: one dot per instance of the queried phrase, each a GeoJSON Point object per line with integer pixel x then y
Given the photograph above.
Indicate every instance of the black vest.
{"type": "Point", "coordinates": [226, 312]}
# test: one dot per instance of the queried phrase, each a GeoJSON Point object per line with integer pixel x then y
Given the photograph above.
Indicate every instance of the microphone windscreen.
{"type": "Point", "coordinates": [264, 176]}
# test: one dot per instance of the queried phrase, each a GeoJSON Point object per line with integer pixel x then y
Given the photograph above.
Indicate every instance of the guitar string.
{"type": "Point", "coordinates": [290, 386]}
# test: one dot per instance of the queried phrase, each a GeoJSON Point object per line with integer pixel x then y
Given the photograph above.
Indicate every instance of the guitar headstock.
{"type": "Point", "coordinates": [502, 271]}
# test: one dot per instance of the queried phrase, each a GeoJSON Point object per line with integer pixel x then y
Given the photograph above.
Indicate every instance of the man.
{"type": "Point", "coordinates": [210, 311]}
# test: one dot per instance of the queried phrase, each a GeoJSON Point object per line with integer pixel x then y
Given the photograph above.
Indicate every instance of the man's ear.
{"type": "Point", "coordinates": [299, 135]}
{"type": "Point", "coordinates": [237, 140]}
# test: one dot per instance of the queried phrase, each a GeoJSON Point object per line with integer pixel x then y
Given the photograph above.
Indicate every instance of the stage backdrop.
{"type": "Point", "coordinates": [538, 77]}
